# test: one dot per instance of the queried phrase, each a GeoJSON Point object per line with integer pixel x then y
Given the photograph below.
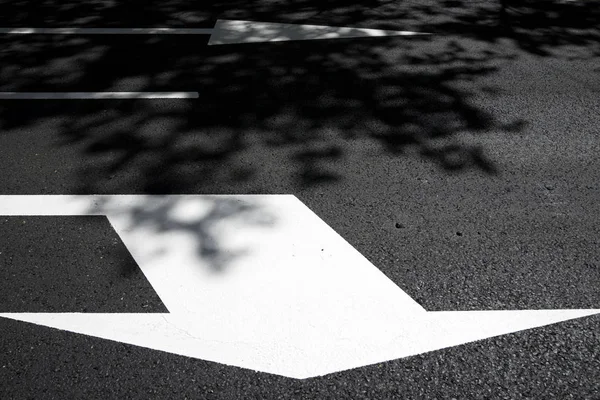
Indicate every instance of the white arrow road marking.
{"type": "Point", "coordinates": [106, 31]}
{"type": "Point", "coordinates": [293, 298]}
{"type": "Point", "coordinates": [95, 95]}
{"type": "Point", "coordinates": [228, 32]}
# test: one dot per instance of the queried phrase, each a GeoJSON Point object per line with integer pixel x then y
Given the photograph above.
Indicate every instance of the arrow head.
{"type": "Point", "coordinates": [232, 32]}
{"type": "Point", "coordinates": [297, 347]}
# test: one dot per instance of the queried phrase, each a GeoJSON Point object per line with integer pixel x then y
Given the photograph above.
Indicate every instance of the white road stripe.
{"type": "Point", "coordinates": [107, 31]}
{"type": "Point", "coordinates": [95, 95]}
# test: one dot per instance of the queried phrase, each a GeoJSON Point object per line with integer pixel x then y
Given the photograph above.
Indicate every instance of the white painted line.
{"type": "Point", "coordinates": [293, 299]}
{"type": "Point", "coordinates": [95, 95]}
{"type": "Point", "coordinates": [107, 31]}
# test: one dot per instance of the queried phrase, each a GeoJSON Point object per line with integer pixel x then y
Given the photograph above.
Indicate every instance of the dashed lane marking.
{"type": "Point", "coordinates": [95, 95]}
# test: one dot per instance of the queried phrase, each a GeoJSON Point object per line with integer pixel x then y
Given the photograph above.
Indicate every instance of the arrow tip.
{"type": "Point", "coordinates": [232, 32]}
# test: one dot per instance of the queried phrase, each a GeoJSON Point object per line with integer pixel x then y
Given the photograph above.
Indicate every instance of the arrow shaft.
{"type": "Point", "coordinates": [107, 31]}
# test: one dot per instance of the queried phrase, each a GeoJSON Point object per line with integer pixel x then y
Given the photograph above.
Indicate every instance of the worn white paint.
{"type": "Point", "coordinates": [289, 296]}
{"type": "Point", "coordinates": [95, 95]}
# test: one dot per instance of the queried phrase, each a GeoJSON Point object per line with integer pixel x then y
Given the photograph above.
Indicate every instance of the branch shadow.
{"type": "Point", "coordinates": [295, 105]}
{"type": "Point", "coordinates": [199, 218]}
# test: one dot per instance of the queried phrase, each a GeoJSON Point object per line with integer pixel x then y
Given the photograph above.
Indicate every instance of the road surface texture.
{"type": "Point", "coordinates": [463, 164]}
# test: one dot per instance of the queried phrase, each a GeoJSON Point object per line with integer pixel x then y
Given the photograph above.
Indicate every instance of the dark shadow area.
{"type": "Point", "coordinates": [543, 27]}
{"type": "Point", "coordinates": [294, 106]}
{"type": "Point", "coordinates": [69, 264]}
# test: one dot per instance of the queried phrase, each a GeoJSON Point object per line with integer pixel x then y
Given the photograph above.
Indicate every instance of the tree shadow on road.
{"type": "Point", "coordinates": [267, 112]}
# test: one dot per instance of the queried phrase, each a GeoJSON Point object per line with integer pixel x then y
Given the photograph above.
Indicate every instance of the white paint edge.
{"type": "Point", "coordinates": [95, 95]}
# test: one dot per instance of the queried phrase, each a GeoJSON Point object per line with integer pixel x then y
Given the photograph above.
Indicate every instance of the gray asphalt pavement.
{"type": "Point", "coordinates": [464, 165]}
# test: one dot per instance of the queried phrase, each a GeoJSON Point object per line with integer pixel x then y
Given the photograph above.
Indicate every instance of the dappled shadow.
{"type": "Point", "coordinates": [307, 97]}
{"type": "Point", "coordinates": [545, 27]}
{"type": "Point", "coordinates": [177, 217]}
{"type": "Point", "coordinates": [267, 110]}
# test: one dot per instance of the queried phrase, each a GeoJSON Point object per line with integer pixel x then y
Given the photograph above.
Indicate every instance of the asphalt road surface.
{"type": "Point", "coordinates": [463, 164]}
